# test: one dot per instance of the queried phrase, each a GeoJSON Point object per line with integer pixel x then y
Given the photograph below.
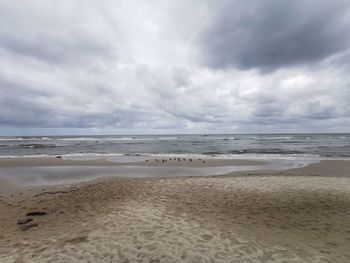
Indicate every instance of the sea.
{"type": "Point", "coordinates": [276, 151]}
{"type": "Point", "coordinates": [245, 146]}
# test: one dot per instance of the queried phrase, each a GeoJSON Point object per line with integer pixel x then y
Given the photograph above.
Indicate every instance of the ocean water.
{"type": "Point", "coordinates": [320, 146]}
{"type": "Point", "coordinates": [277, 151]}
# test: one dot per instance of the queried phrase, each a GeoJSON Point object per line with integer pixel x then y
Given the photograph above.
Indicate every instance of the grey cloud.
{"type": "Point", "coordinates": [340, 61]}
{"type": "Point", "coordinates": [142, 75]}
{"type": "Point", "coordinates": [117, 119]}
{"type": "Point", "coordinates": [181, 77]}
{"type": "Point", "coordinates": [39, 31]}
{"type": "Point", "coordinates": [55, 50]}
{"type": "Point", "coordinates": [268, 110]}
{"type": "Point", "coordinates": [272, 34]}
{"type": "Point", "coordinates": [21, 112]}
{"type": "Point", "coordinates": [23, 107]}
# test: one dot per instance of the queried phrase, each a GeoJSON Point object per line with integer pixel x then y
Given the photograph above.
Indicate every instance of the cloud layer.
{"type": "Point", "coordinates": [174, 66]}
{"type": "Point", "coordinates": [268, 35]}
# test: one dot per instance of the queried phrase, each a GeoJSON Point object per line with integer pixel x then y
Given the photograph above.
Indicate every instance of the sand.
{"type": "Point", "coordinates": [151, 161]}
{"type": "Point", "coordinates": [298, 215]}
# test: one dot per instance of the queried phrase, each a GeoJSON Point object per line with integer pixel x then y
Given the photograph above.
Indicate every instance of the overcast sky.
{"type": "Point", "coordinates": [185, 66]}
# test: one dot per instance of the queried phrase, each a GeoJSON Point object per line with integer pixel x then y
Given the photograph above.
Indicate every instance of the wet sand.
{"type": "Point", "coordinates": [297, 215]}
{"type": "Point", "coordinates": [151, 161]}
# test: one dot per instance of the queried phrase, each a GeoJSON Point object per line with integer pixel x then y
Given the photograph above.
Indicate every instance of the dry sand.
{"type": "Point", "coordinates": [299, 215]}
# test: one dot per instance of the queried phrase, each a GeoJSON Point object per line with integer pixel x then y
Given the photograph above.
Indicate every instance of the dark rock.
{"type": "Point", "coordinates": [27, 226]}
{"type": "Point", "coordinates": [59, 157]}
{"type": "Point", "coordinates": [36, 213]}
{"type": "Point", "coordinates": [24, 221]}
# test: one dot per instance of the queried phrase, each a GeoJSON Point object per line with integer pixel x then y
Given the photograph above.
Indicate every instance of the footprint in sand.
{"type": "Point", "coordinates": [77, 240]}
{"type": "Point", "coordinates": [207, 237]}
{"type": "Point", "coordinates": [151, 246]}
{"type": "Point", "coordinates": [147, 234]}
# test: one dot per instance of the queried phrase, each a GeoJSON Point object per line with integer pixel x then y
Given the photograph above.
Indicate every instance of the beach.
{"type": "Point", "coordinates": [175, 131]}
{"type": "Point", "coordinates": [296, 215]}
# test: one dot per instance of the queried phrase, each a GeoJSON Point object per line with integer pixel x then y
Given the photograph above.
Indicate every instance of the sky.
{"type": "Point", "coordinates": [185, 66]}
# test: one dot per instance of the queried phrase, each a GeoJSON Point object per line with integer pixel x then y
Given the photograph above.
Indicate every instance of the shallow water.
{"type": "Point", "coordinates": [71, 174]}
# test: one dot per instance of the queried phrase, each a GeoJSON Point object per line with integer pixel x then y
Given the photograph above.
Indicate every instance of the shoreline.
{"type": "Point", "coordinates": [151, 161]}
{"type": "Point", "coordinates": [21, 174]}
{"type": "Point", "coordinates": [295, 215]}
{"type": "Point", "coordinates": [10, 187]}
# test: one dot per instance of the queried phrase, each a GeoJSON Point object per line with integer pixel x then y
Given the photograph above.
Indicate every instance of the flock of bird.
{"type": "Point", "coordinates": [178, 159]}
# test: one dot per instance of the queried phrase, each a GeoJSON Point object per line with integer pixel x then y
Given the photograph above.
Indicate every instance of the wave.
{"type": "Point", "coordinates": [31, 146]}
{"type": "Point", "coordinates": [269, 139]}
{"type": "Point", "coordinates": [212, 153]}
{"type": "Point", "coordinates": [132, 154]}
{"type": "Point", "coordinates": [221, 155]}
{"type": "Point", "coordinates": [252, 156]}
{"type": "Point", "coordinates": [254, 151]}
{"type": "Point", "coordinates": [108, 139]}
{"type": "Point", "coordinates": [11, 139]}
{"type": "Point", "coordinates": [265, 151]}
{"type": "Point", "coordinates": [91, 154]}
{"type": "Point", "coordinates": [231, 139]}
{"type": "Point", "coordinates": [117, 138]}
{"type": "Point", "coordinates": [281, 138]}
{"type": "Point", "coordinates": [36, 138]}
